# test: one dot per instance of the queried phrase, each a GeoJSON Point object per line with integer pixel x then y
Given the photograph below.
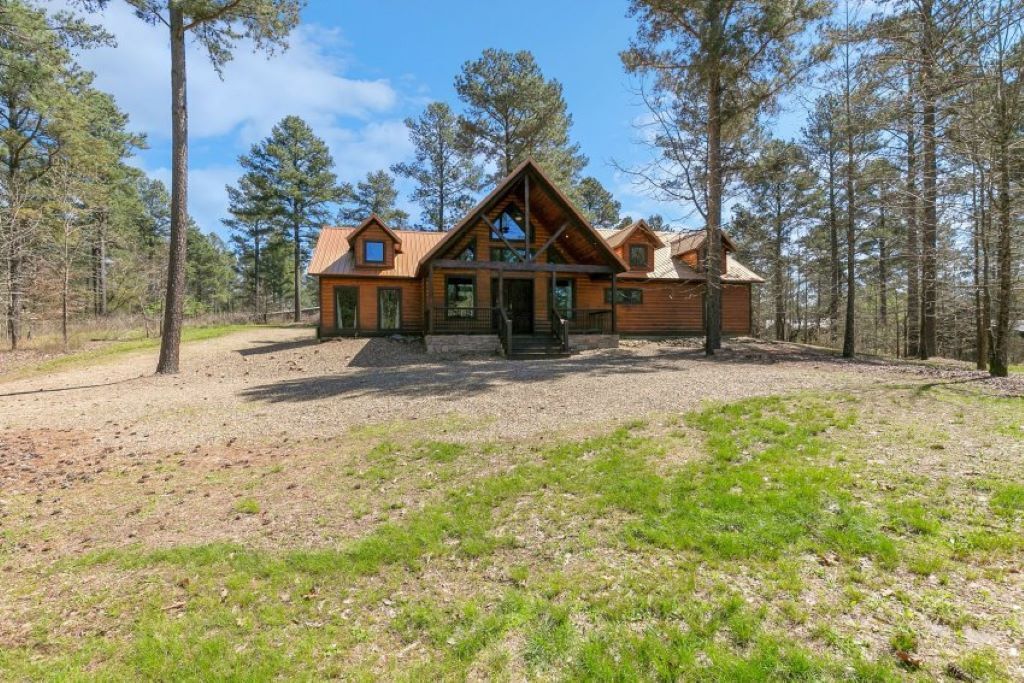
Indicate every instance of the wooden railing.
{"type": "Point", "coordinates": [590, 320]}
{"type": "Point", "coordinates": [504, 330]}
{"type": "Point", "coordinates": [560, 328]}
{"type": "Point", "coordinates": [451, 320]}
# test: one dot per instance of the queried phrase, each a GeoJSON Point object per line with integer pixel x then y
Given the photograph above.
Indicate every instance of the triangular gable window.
{"type": "Point", "coordinates": [511, 224]}
{"type": "Point", "coordinates": [469, 253]}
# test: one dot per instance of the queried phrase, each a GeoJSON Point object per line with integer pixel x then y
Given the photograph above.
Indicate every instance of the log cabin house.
{"type": "Point", "coordinates": [523, 273]}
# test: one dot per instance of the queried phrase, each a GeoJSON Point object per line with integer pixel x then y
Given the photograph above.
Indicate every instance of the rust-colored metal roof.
{"type": "Point", "coordinates": [683, 242]}
{"type": "Point", "coordinates": [619, 236]}
{"type": "Point", "coordinates": [667, 267]}
{"type": "Point", "coordinates": [333, 253]}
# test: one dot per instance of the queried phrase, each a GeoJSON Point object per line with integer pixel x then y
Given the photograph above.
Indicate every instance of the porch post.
{"type": "Point", "coordinates": [501, 288]}
{"type": "Point", "coordinates": [615, 303]}
{"type": "Point", "coordinates": [551, 294]}
{"type": "Point", "coordinates": [430, 299]}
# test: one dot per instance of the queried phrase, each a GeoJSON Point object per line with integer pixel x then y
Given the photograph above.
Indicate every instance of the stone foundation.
{"type": "Point", "coordinates": [462, 343]}
{"type": "Point", "coordinates": [586, 342]}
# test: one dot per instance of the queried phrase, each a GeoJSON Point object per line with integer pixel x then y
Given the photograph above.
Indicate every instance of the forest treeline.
{"type": "Point", "coordinates": [889, 224]}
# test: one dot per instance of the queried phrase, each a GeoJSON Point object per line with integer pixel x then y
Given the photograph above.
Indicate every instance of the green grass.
{"type": "Point", "coordinates": [643, 572]}
{"type": "Point", "coordinates": [115, 349]}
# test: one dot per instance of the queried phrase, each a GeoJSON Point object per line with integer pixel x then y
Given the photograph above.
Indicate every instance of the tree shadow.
{"type": "Point", "coordinates": [275, 347]}
{"type": "Point", "coordinates": [98, 385]}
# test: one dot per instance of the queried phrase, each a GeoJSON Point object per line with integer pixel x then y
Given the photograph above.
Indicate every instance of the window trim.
{"type": "Point", "coordinates": [619, 291]}
{"type": "Point", "coordinates": [572, 294]}
{"type": "Point", "coordinates": [337, 327]}
{"type": "Point", "coordinates": [471, 244]}
{"type": "Point", "coordinates": [495, 235]}
{"type": "Point", "coordinates": [383, 252]}
{"type": "Point", "coordinates": [647, 255]}
{"type": "Point", "coordinates": [380, 309]}
{"type": "Point", "coordinates": [476, 292]}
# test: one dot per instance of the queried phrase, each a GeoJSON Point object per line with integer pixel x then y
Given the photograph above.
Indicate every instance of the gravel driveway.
{"type": "Point", "coordinates": [272, 383]}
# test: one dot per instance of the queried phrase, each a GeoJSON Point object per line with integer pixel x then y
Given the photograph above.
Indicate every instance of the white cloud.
{"type": "Point", "coordinates": [359, 119]}
{"type": "Point", "coordinates": [255, 93]}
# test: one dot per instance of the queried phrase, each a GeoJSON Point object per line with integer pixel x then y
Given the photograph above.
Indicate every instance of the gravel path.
{"type": "Point", "coordinates": [271, 383]}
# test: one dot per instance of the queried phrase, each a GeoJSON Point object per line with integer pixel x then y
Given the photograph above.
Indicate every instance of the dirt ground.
{"type": "Point", "coordinates": [332, 439]}
{"type": "Point", "coordinates": [280, 382]}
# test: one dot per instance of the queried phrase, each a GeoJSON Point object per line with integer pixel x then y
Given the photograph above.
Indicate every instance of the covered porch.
{"type": "Point", "coordinates": [521, 304]}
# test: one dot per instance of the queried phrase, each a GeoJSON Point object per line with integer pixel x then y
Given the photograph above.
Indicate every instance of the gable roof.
{"type": "Point", "coordinates": [529, 165]}
{"type": "Point", "coordinates": [694, 239]}
{"type": "Point", "coordinates": [625, 233]}
{"type": "Point", "coordinates": [334, 253]}
{"type": "Point", "coordinates": [666, 267]}
{"type": "Point", "coordinates": [374, 219]}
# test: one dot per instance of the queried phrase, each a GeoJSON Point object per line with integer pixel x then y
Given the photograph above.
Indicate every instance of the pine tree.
{"type": "Point", "coordinates": [779, 194]}
{"type": "Point", "coordinates": [376, 194]}
{"type": "Point", "coordinates": [289, 176]}
{"type": "Point", "coordinates": [215, 25]}
{"type": "Point", "coordinates": [251, 224]}
{"type": "Point", "coordinates": [725, 62]}
{"type": "Point", "coordinates": [513, 112]}
{"type": "Point", "coordinates": [597, 203]}
{"type": "Point", "coordinates": [445, 173]}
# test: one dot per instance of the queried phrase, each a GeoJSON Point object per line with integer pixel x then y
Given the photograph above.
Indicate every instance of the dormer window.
{"type": "Point", "coordinates": [373, 251]}
{"type": "Point", "coordinates": [511, 225]}
{"type": "Point", "coordinates": [638, 255]}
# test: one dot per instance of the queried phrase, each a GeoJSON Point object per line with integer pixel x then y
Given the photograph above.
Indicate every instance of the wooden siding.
{"type": "Point", "coordinates": [412, 303]}
{"type": "Point", "coordinates": [375, 233]}
{"type": "Point", "coordinates": [736, 309]}
{"type": "Point", "coordinates": [667, 308]}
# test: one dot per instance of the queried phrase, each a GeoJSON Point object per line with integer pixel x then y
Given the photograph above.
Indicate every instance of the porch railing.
{"type": "Point", "coordinates": [589, 320]}
{"type": "Point", "coordinates": [458, 320]}
{"type": "Point", "coordinates": [504, 330]}
{"type": "Point", "coordinates": [560, 329]}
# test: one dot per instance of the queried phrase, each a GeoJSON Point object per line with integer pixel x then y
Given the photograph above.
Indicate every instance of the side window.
{"type": "Point", "coordinates": [373, 251]}
{"type": "Point", "coordinates": [638, 255]}
{"type": "Point", "coordinates": [627, 296]}
{"type": "Point", "coordinates": [460, 296]}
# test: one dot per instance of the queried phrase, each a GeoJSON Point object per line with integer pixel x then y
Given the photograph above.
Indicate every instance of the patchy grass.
{"type": "Point", "coordinates": [115, 349]}
{"type": "Point", "coordinates": [786, 548]}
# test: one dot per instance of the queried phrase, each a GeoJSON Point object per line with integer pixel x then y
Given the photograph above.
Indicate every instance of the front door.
{"type": "Point", "coordinates": [518, 303]}
{"type": "Point", "coordinates": [346, 308]}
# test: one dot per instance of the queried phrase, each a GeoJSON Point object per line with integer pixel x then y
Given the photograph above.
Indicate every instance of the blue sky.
{"type": "Point", "coordinates": [355, 70]}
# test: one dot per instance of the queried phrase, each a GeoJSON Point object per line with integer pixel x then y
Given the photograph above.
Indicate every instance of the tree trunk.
{"type": "Point", "coordinates": [883, 283]}
{"type": "Point", "coordinates": [65, 291]}
{"type": "Point", "coordinates": [713, 270]}
{"type": "Point", "coordinates": [833, 243]}
{"type": "Point", "coordinates": [174, 304]}
{"type": "Point", "coordinates": [999, 363]}
{"type": "Point", "coordinates": [14, 305]}
{"type": "Point", "coordinates": [929, 193]}
{"type": "Point", "coordinates": [980, 328]}
{"type": "Point", "coordinates": [913, 324]}
{"type": "Point", "coordinates": [256, 276]}
{"type": "Point", "coordinates": [778, 280]}
{"type": "Point", "coordinates": [297, 313]}
{"type": "Point", "coordinates": [851, 213]}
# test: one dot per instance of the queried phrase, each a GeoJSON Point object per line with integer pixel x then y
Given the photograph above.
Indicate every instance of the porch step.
{"type": "Point", "coordinates": [537, 346]}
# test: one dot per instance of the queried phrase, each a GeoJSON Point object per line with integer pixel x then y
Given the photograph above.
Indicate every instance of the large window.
{"type": "Point", "coordinates": [460, 296]}
{"type": "Point", "coordinates": [389, 308]}
{"type": "Point", "coordinates": [625, 295]}
{"type": "Point", "coordinates": [506, 255]}
{"type": "Point", "coordinates": [373, 251]}
{"type": "Point", "coordinates": [638, 255]}
{"type": "Point", "coordinates": [511, 224]}
{"type": "Point", "coordinates": [346, 308]}
{"type": "Point", "coordinates": [565, 297]}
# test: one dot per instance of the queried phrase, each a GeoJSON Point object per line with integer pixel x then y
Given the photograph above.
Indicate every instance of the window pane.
{"type": "Point", "coordinates": [345, 311]}
{"type": "Point", "coordinates": [374, 252]}
{"type": "Point", "coordinates": [637, 255]}
{"type": "Point", "coordinates": [390, 308]}
{"type": "Point", "coordinates": [563, 296]}
{"type": "Point", "coordinates": [512, 224]}
{"type": "Point", "coordinates": [625, 296]}
{"type": "Point", "coordinates": [460, 297]}
{"type": "Point", "coordinates": [469, 253]}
